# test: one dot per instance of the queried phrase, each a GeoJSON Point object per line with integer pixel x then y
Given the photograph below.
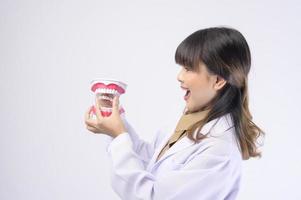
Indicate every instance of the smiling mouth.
{"type": "Point", "coordinates": [187, 94]}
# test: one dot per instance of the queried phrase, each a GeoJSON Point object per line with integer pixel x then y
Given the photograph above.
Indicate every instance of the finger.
{"type": "Point", "coordinates": [88, 113]}
{"type": "Point", "coordinates": [90, 122]}
{"type": "Point", "coordinates": [115, 108]}
{"type": "Point", "coordinates": [97, 110]}
{"type": "Point", "coordinates": [92, 129]}
{"type": "Point", "coordinates": [96, 130]}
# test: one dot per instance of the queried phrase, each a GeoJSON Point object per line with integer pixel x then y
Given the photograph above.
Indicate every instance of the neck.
{"type": "Point", "coordinates": [205, 108]}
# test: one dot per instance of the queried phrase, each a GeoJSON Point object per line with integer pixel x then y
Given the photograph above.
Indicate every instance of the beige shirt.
{"type": "Point", "coordinates": [184, 123]}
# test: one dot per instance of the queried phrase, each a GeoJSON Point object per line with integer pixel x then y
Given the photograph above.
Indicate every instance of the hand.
{"type": "Point", "coordinates": [112, 125]}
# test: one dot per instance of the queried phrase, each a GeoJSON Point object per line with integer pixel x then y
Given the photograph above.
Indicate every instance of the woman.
{"type": "Point", "coordinates": [201, 158]}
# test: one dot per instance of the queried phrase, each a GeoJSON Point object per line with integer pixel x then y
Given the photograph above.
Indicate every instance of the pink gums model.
{"type": "Point", "coordinates": [105, 90]}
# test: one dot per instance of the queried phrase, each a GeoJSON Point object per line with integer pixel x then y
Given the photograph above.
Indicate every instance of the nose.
{"type": "Point", "coordinates": [180, 76]}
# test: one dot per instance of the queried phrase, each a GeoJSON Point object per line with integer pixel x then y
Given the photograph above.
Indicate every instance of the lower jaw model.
{"type": "Point", "coordinates": [105, 90]}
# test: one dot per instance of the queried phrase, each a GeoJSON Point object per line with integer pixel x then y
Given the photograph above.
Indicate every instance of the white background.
{"type": "Point", "coordinates": [51, 50]}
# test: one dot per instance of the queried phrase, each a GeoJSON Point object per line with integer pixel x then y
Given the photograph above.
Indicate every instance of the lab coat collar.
{"type": "Point", "coordinates": [188, 120]}
{"type": "Point", "coordinates": [185, 122]}
{"type": "Point", "coordinates": [215, 127]}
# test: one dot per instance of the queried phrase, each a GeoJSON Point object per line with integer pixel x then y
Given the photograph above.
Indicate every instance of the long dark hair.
{"type": "Point", "coordinates": [225, 52]}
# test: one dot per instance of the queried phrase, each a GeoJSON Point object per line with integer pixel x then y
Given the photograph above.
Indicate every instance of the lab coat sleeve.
{"type": "Point", "coordinates": [143, 149]}
{"type": "Point", "coordinates": [207, 176]}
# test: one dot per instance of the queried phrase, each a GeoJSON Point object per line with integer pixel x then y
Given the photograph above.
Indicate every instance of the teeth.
{"type": "Point", "coordinates": [106, 98]}
{"type": "Point", "coordinates": [105, 109]}
{"type": "Point", "coordinates": [107, 91]}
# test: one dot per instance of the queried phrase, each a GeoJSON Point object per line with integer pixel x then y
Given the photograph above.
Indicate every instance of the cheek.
{"type": "Point", "coordinates": [202, 94]}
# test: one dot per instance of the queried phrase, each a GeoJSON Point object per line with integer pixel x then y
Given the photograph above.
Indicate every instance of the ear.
{"type": "Point", "coordinates": [219, 83]}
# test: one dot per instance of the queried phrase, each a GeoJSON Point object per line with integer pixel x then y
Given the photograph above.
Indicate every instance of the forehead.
{"type": "Point", "coordinates": [202, 70]}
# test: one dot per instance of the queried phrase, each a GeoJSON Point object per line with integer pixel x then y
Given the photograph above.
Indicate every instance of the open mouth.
{"type": "Point", "coordinates": [105, 96]}
{"type": "Point", "coordinates": [105, 90]}
{"type": "Point", "coordinates": [103, 86]}
{"type": "Point", "coordinates": [187, 94]}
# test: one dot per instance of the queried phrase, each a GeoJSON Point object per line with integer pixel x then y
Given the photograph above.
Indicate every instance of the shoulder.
{"type": "Point", "coordinates": [218, 126]}
{"type": "Point", "coordinates": [221, 138]}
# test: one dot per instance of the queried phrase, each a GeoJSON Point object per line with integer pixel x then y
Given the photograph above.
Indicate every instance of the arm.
{"type": "Point", "coordinates": [208, 175]}
{"type": "Point", "coordinates": [143, 149]}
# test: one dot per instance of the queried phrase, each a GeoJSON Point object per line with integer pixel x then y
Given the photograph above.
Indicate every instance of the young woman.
{"type": "Point", "coordinates": [201, 156]}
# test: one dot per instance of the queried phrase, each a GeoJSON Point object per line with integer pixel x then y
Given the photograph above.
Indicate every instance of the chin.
{"type": "Point", "coordinates": [190, 109]}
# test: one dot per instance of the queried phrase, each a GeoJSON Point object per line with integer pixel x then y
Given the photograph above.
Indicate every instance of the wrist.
{"type": "Point", "coordinates": [118, 133]}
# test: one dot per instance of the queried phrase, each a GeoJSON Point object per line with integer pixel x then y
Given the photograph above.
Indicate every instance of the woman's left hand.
{"type": "Point", "coordinates": [112, 125]}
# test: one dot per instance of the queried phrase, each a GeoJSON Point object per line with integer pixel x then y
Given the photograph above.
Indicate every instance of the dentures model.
{"type": "Point", "coordinates": [105, 90]}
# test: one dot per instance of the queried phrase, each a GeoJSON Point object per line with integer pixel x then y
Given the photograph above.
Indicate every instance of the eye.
{"type": "Point", "coordinates": [186, 69]}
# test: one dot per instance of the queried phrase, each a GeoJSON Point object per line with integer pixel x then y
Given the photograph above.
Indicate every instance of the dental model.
{"type": "Point", "coordinates": [105, 90]}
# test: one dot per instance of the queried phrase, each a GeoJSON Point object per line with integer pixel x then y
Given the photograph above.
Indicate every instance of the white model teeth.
{"type": "Point", "coordinates": [106, 109]}
{"type": "Point", "coordinates": [106, 98]}
{"type": "Point", "coordinates": [107, 91]}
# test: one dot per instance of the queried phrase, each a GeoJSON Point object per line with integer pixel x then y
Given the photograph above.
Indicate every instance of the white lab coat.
{"type": "Point", "coordinates": [209, 170]}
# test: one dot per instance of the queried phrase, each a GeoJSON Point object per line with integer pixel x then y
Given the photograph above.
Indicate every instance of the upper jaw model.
{"type": "Point", "coordinates": [105, 90]}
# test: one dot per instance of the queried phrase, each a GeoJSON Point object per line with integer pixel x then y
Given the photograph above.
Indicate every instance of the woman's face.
{"type": "Point", "coordinates": [200, 86]}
